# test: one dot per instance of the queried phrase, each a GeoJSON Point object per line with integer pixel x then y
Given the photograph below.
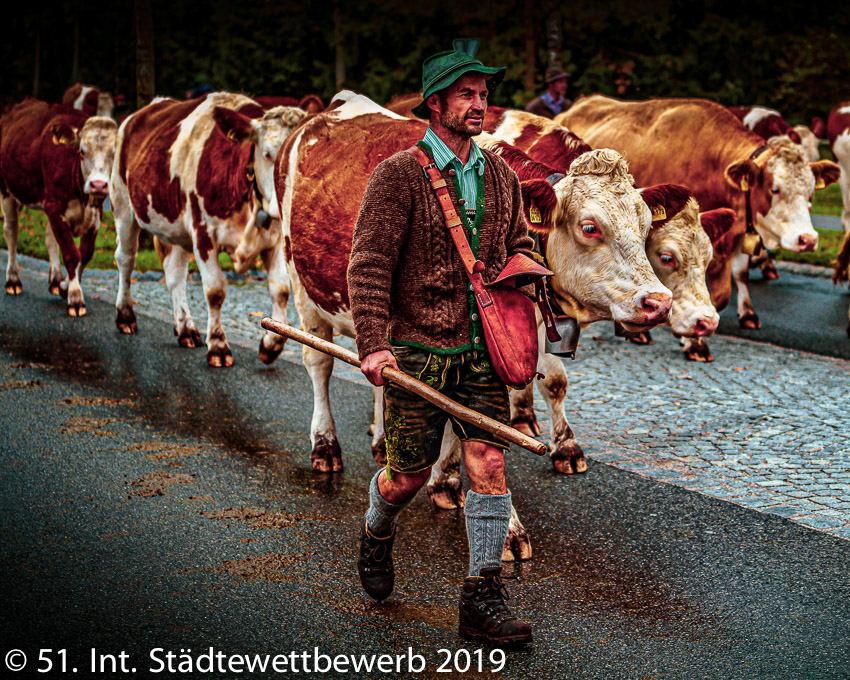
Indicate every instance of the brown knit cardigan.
{"type": "Point", "coordinates": [406, 281]}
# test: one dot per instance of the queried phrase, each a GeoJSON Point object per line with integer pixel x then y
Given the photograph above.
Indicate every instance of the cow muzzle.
{"type": "Point", "coordinates": [656, 308]}
{"type": "Point", "coordinates": [807, 242]}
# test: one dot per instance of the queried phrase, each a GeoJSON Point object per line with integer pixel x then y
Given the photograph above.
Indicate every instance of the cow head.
{"type": "Point", "coordinates": [96, 144]}
{"type": "Point", "coordinates": [679, 251]}
{"type": "Point", "coordinates": [597, 225]}
{"type": "Point", "coordinates": [267, 134]}
{"type": "Point", "coordinates": [781, 184]}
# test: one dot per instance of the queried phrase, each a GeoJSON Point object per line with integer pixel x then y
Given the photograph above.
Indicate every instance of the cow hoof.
{"type": "Point", "coordinates": [190, 337]}
{"type": "Point", "coordinates": [642, 338]}
{"type": "Point", "coordinates": [326, 455]}
{"type": "Point", "coordinates": [125, 321]}
{"type": "Point", "coordinates": [269, 354]}
{"type": "Point", "coordinates": [54, 283]}
{"type": "Point", "coordinates": [63, 289]}
{"type": "Point", "coordinates": [517, 546]}
{"type": "Point", "coordinates": [699, 353]}
{"type": "Point", "coordinates": [379, 451]}
{"type": "Point", "coordinates": [750, 320]}
{"type": "Point", "coordinates": [527, 424]}
{"type": "Point", "coordinates": [447, 494]}
{"type": "Point", "coordinates": [769, 272]}
{"type": "Point", "coordinates": [569, 459]}
{"type": "Point", "coordinates": [77, 309]}
{"type": "Point", "coordinates": [14, 287]}
{"type": "Point", "coordinates": [220, 357]}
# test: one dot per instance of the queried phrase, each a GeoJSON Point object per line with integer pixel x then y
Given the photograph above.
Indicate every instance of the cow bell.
{"type": "Point", "coordinates": [752, 245]}
{"type": "Point", "coordinates": [569, 330]}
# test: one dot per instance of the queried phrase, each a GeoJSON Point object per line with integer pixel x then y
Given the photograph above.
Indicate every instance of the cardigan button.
{"type": "Point", "coordinates": [476, 340]}
{"type": "Point", "coordinates": [452, 173]}
{"type": "Point", "coordinates": [475, 316]}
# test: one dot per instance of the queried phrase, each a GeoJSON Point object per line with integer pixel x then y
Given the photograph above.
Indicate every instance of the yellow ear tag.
{"type": "Point", "coordinates": [534, 215]}
{"type": "Point", "coordinates": [744, 184]}
{"type": "Point", "coordinates": [61, 140]}
{"type": "Point", "coordinates": [658, 213]}
{"type": "Point", "coordinates": [231, 134]}
{"type": "Point", "coordinates": [820, 184]}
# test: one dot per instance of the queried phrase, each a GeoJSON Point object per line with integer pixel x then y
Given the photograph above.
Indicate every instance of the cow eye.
{"type": "Point", "coordinates": [668, 259]}
{"type": "Point", "coordinates": [589, 228]}
{"type": "Point", "coordinates": [82, 152]}
{"type": "Point", "coordinates": [774, 191]}
{"type": "Point", "coordinates": [267, 155]}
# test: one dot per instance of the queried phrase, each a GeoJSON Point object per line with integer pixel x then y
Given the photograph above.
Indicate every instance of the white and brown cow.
{"type": "Point", "coordinates": [602, 272]}
{"type": "Point", "coordinates": [88, 99]}
{"type": "Point", "coordinates": [765, 122]}
{"type": "Point", "coordinates": [702, 145]}
{"type": "Point", "coordinates": [838, 133]}
{"type": "Point", "coordinates": [59, 159]}
{"type": "Point", "coordinates": [197, 174]}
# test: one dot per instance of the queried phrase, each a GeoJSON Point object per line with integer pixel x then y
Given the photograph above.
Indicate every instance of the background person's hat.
{"type": "Point", "coordinates": [555, 73]}
{"type": "Point", "coordinates": [442, 69]}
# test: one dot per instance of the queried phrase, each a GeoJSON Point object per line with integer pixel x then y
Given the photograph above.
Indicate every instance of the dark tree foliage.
{"type": "Point", "coordinates": [792, 55]}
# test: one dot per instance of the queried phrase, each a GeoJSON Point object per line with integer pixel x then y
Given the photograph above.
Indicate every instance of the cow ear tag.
{"type": "Point", "coordinates": [745, 186]}
{"type": "Point", "coordinates": [534, 215]}
{"type": "Point", "coordinates": [231, 135]}
{"type": "Point", "coordinates": [61, 139]}
{"type": "Point", "coordinates": [820, 184]}
{"type": "Point", "coordinates": [658, 213]}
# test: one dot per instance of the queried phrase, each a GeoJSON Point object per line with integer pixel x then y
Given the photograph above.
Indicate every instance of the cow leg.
{"type": "Point", "coordinates": [215, 290]}
{"type": "Point", "coordinates": [522, 411]}
{"type": "Point", "coordinates": [326, 455]}
{"type": "Point", "coordinates": [445, 487]}
{"type": "Point", "coordinates": [747, 316]}
{"type": "Point", "coordinates": [175, 264]}
{"type": "Point", "coordinates": [767, 265]}
{"type": "Point", "coordinates": [71, 257]}
{"type": "Point", "coordinates": [10, 231]}
{"type": "Point", "coordinates": [517, 545]}
{"type": "Point", "coordinates": [844, 183]}
{"type": "Point", "coordinates": [54, 279]}
{"type": "Point", "coordinates": [567, 456]}
{"type": "Point", "coordinates": [379, 440]}
{"type": "Point", "coordinates": [271, 344]}
{"type": "Point", "coordinates": [696, 349]}
{"type": "Point", "coordinates": [127, 230]}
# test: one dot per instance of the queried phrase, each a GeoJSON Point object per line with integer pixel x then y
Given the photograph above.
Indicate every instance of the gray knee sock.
{"type": "Point", "coordinates": [487, 519]}
{"type": "Point", "coordinates": [380, 517]}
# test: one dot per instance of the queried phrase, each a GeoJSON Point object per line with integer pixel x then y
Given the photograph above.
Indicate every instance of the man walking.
{"type": "Point", "coordinates": [413, 309]}
{"type": "Point", "coordinates": [552, 102]}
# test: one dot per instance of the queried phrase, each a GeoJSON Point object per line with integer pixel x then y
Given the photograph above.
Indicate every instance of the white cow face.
{"type": "Point", "coordinates": [598, 229]}
{"type": "Point", "coordinates": [97, 153]}
{"type": "Point", "coordinates": [782, 183]}
{"type": "Point", "coordinates": [679, 252]}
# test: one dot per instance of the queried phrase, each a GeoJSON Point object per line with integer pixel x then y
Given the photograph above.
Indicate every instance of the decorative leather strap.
{"type": "Point", "coordinates": [453, 221]}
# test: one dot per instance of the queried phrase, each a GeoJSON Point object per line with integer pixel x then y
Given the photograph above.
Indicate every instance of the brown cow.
{"type": "Point", "coordinates": [198, 174]}
{"type": "Point", "coordinates": [597, 254]}
{"type": "Point", "coordinates": [59, 159]}
{"type": "Point", "coordinates": [838, 133]}
{"type": "Point", "coordinates": [90, 100]}
{"type": "Point", "coordinates": [702, 145]}
{"type": "Point", "coordinates": [310, 103]}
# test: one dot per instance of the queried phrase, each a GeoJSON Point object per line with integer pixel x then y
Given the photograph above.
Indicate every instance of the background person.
{"type": "Point", "coordinates": [552, 102]}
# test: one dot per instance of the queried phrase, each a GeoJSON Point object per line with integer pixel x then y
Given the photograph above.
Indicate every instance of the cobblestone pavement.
{"type": "Point", "coordinates": [763, 427]}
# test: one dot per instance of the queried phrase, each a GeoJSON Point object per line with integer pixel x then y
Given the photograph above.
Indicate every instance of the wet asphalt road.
{"type": "Point", "coordinates": [799, 312]}
{"type": "Point", "coordinates": [149, 502]}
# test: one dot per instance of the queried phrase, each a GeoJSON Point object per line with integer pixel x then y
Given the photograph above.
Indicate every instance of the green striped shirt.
{"type": "Point", "coordinates": [466, 174]}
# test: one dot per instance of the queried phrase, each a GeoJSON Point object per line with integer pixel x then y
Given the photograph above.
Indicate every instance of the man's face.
{"type": "Point", "coordinates": [560, 86]}
{"type": "Point", "coordinates": [465, 103]}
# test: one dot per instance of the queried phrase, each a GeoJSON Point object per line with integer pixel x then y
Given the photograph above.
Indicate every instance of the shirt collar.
{"type": "Point", "coordinates": [443, 155]}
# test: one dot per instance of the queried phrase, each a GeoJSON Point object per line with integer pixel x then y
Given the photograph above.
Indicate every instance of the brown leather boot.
{"type": "Point", "coordinates": [484, 614]}
{"type": "Point", "coordinates": [375, 563]}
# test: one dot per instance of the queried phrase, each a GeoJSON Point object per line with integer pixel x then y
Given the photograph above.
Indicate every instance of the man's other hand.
{"type": "Point", "coordinates": [373, 363]}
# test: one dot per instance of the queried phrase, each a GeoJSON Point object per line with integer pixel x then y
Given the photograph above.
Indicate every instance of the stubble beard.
{"type": "Point", "coordinates": [458, 125]}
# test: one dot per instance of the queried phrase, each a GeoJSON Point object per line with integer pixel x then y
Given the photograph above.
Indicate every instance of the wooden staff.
{"type": "Point", "coordinates": [411, 385]}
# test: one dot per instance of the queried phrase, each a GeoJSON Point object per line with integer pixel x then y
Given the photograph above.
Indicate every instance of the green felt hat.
{"type": "Point", "coordinates": [442, 69]}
